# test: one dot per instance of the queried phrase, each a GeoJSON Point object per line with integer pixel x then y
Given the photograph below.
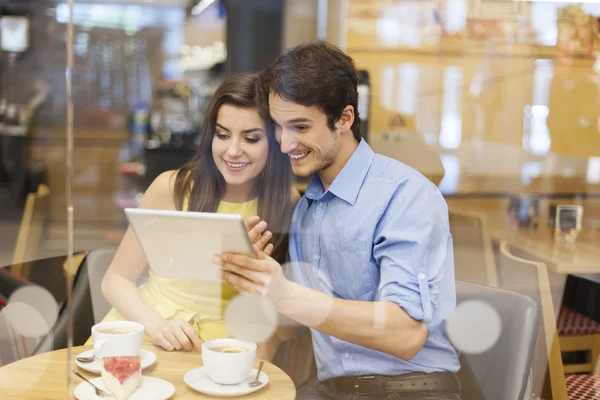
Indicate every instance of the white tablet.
{"type": "Point", "coordinates": [182, 244]}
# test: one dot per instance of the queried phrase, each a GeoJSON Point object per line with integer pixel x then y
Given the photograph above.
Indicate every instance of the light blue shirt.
{"type": "Point", "coordinates": [380, 233]}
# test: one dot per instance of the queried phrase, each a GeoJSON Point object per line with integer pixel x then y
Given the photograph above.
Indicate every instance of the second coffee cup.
{"type": "Point", "coordinates": [228, 361]}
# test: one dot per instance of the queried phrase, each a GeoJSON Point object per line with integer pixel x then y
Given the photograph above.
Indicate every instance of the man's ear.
{"type": "Point", "coordinates": [346, 119]}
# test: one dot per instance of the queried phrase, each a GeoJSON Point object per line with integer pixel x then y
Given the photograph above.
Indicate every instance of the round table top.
{"type": "Point", "coordinates": [44, 376]}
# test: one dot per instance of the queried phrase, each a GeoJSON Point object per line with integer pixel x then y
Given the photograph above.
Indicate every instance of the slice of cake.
{"type": "Point", "coordinates": [121, 375]}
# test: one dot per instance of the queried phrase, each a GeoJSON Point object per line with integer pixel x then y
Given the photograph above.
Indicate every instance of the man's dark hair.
{"type": "Point", "coordinates": [316, 74]}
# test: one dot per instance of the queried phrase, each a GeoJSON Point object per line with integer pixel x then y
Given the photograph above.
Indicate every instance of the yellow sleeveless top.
{"type": "Point", "coordinates": [201, 303]}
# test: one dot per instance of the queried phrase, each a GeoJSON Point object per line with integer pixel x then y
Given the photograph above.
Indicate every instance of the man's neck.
{"type": "Point", "coordinates": [329, 174]}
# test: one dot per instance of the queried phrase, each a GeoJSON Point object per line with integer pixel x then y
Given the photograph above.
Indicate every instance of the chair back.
{"type": "Point", "coordinates": [473, 255]}
{"type": "Point", "coordinates": [82, 316]}
{"type": "Point", "coordinates": [89, 304]}
{"type": "Point", "coordinates": [98, 262]}
{"type": "Point", "coordinates": [502, 372]}
{"type": "Point", "coordinates": [30, 233]}
{"type": "Point", "coordinates": [531, 279]}
{"type": "Point", "coordinates": [13, 345]}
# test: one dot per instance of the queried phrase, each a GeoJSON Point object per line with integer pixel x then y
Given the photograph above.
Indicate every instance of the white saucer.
{"type": "Point", "coordinates": [151, 389]}
{"type": "Point", "coordinates": [198, 380]}
{"type": "Point", "coordinates": [147, 359]}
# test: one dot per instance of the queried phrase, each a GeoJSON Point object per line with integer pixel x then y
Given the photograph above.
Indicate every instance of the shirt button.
{"type": "Point", "coordinates": [421, 276]}
{"type": "Point", "coordinates": [346, 356]}
{"type": "Point", "coordinates": [316, 257]}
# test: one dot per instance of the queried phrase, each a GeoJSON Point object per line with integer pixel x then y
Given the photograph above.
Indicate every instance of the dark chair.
{"type": "Point", "coordinates": [9, 283]}
{"type": "Point", "coordinates": [12, 346]}
{"type": "Point", "coordinates": [89, 304]}
{"type": "Point", "coordinates": [165, 158]}
{"type": "Point", "coordinates": [83, 318]}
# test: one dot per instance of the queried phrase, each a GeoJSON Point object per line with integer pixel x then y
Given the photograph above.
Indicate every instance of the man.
{"type": "Point", "coordinates": [371, 269]}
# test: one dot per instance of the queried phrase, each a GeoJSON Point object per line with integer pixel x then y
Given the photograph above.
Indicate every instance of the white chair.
{"type": "Point", "coordinates": [98, 262]}
{"type": "Point", "coordinates": [473, 254]}
{"type": "Point", "coordinates": [501, 372]}
{"type": "Point", "coordinates": [531, 279]}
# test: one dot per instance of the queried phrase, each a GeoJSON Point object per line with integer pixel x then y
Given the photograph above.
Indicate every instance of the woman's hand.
{"type": "Point", "coordinates": [175, 334]}
{"type": "Point", "coordinates": [258, 236]}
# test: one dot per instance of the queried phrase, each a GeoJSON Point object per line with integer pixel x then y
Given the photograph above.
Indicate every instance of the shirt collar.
{"type": "Point", "coordinates": [348, 182]}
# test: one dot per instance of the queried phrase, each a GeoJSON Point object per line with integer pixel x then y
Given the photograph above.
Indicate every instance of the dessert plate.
{"type": "Point", "coordinates": [147, 359]}
{"type": "Point", "coordinates": [152, 389]}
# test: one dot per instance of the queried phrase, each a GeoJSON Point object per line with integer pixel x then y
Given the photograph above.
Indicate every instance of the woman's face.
{"type": "Point", "coordinates": [240, 146]}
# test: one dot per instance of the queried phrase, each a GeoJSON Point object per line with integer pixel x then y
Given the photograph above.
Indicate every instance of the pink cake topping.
{"type": "Point", "coordinates": [122, 367]}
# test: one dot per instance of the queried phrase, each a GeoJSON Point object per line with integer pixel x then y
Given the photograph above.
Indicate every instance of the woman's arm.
{"type": "Point", "coordinates": [119, 284]}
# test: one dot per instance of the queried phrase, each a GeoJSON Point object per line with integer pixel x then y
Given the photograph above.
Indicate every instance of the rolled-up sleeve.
{"type": "Point", "coordinates": [413, 248]}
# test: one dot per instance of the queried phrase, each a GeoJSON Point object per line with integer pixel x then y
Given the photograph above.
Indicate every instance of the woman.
{"type": "Point", "coordinates": [238, 169]}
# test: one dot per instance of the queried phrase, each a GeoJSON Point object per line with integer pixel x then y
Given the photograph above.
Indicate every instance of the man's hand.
{"type": "Point", "coordinates": [258, 236]}
{"type": "Point", "coordinates": [260, 276]}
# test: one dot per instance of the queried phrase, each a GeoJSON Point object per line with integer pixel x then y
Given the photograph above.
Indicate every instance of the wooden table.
{"type": "Point", "coordinates": [581, 257]}
{"type": "Point", "coordinates": [562, 259]}
{"type": "Point", "coordinates": [45, 376]}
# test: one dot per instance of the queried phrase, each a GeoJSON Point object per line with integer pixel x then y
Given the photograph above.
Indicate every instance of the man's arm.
{"type": "Point", "coordinates": [413, 249]}
{"type": "Point", "coordinates": [380, 325]}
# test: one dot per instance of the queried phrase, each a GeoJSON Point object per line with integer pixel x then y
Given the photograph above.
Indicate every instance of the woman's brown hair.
{"type": "Point", "coordinates": [274, 184]}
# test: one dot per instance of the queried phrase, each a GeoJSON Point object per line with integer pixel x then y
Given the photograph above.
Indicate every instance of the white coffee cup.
{"type": "Point", "coordinates": [117, 338]}
{"type": "Point", "coordinates": [228, 368]}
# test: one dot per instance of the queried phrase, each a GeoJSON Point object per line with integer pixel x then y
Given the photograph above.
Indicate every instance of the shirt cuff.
{"type": "Point", "coordinates": [414, 298]}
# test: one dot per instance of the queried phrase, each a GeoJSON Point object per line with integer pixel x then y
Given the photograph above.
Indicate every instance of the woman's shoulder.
{"type": "Point", "coordinates": [160, 193]}
{"type": "Point", "coordinates": [165, 182]}
{"type": "Point", "coordinates": [167, 177]}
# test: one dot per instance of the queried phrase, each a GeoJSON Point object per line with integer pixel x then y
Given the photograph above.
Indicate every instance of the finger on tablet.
{"type": "Point", "coordinates": [256, 232]}
{"type": "Point", "coordinates": [269, 249]}
{"type": "Point", "coordinates": [252, 221]}
{"type": "Point", "coordinates": [260, 254]}
{"type": "Point", "coordinates": [240, 283]}
{"type": "Point", "coordinates": [264, 239]}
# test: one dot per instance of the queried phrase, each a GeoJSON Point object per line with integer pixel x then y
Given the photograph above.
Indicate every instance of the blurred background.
{"type": "Point", "coordinates": [496, 101]}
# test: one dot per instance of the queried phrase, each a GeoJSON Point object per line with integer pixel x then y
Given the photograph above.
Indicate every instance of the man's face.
{"type": "Point", "coordinates": [304, 136]}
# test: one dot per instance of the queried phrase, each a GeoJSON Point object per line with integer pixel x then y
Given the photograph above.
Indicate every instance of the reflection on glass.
{"type": "Point", "coordinates": [132, 19]}
{"type": "Point", "coordinates": [593, 170]}
{"type": "Point", "coordinates": [451, 130]}
{"type": "Point", "coordinates": [536, 135]}
{"type": "Point", "coordinates": [387, 87]}
{"type": "Point", "coordinates": [455, 16]}
{"type": "Point", "coordinates": [543, 22]}
{"type": "Point", "coordinates": [407, 87]}
{"type": "Point", "coordinates": [449, 183]}
{"type": "Point", "coordinates": [409, 23]}
{"type": "Point", "coordinates": [529, 171]}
